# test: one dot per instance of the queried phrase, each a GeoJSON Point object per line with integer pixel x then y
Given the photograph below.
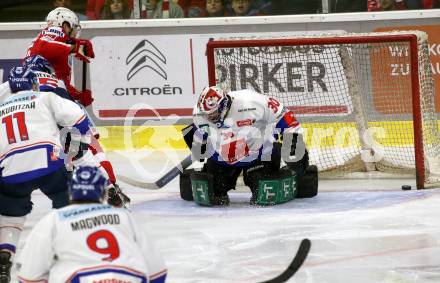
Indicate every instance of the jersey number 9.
{"type": "Point", "coordinates": [108, 244]}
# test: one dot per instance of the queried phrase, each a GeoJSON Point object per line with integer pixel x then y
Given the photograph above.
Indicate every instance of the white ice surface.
{"type": "Point", "coordinates": [361, 230]}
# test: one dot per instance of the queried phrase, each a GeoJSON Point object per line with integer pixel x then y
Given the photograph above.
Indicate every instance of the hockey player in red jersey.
{"type": "Point", "coordinates": [57, 42]}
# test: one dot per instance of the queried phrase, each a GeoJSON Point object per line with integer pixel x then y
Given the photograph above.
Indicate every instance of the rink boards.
{"type": "Point", "coordinates": [328, 135]}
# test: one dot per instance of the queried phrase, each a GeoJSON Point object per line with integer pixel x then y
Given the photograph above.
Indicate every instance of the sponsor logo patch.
{"type": "Point", "coordinates": [246, 122]}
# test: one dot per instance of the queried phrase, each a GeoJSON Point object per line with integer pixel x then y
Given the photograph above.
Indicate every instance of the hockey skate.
{"type": "Point", "coordinates": [222, 200]}
{"type": "Point", "coordinates": [5, 267]}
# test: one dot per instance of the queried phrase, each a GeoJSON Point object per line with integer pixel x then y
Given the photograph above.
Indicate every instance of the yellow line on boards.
{"type": "Point", "coordinates": [316, 135]}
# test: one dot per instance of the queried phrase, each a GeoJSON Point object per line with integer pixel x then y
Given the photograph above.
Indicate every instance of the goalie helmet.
{"type": "Point", "coordinates": [87, 184]}
{"type": "Point", "coordinates": [60, 15]}
{"type": "Point", "coordinates": [213, 103]}
{"type": "Point", "coordinates": [38, 63]}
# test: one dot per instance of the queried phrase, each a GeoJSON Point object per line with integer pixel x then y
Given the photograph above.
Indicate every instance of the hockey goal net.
{"type": "Point", "coordinates": [366, 101]}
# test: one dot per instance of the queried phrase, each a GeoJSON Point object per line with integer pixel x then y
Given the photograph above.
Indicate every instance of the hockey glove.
{"type": "Point", "coordinates": [83, 50]}
{"type": "Point", "coordinates": [84, 97]}
{"type": "Point", "coordinates": [116, 197]}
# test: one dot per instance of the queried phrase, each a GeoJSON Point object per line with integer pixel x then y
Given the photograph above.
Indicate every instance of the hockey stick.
{"type": "Point", "coordinates": [298, 260]}
{"type": "Point", "coordinates": [92, 125]}
{"type": "Point", "coordinates": [84, 76]}
{"type": "Point", "coordinates": [165, 179]}
{"type": "Point", "coordinates": [125, 200]}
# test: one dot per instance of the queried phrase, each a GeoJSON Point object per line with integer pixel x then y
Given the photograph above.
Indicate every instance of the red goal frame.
{"type": "Point", "coordinates": [352, 39]}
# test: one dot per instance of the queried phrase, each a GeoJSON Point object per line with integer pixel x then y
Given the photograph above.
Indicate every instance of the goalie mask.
{"type": "Point", "coordinates": [60, 15]}
{"type": "Point", "coordinates": [214, 104]}
{"type": "Point", "coordinates": [87, 184]}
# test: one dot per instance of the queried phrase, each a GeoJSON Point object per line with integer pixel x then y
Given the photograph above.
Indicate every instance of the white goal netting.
{"type": "Point", "coordinates": [366, 101]}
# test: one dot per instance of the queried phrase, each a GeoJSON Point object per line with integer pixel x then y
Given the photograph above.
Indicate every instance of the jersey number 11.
{"type": "Point", "coordinates": [22, 129]}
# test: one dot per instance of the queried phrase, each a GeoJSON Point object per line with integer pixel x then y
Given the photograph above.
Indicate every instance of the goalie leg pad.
{"type": "Point", "coordinates": [225, 177]}
{"type": "Point", "coordinates": [203, 190]}
{"type": "Point", "coordinates": [308, 183]}
{"type": "Point", "coordinates": [275, 158]}
{"type": "Point", "coordinates": [295, 153]}
{"type": "Point", "coordinates": [271, 188]}
{"type": "Point", "coordinates": [185, 185]}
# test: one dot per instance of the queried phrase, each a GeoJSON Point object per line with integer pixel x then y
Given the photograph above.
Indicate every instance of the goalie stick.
{"type": "Point", "coordinates": [165, 179]}
{"type": "Point", "coordinates": [294, 266]}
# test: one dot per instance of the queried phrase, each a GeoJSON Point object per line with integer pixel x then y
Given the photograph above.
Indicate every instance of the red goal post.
{"type": "Point", "coordinates": [366, 100]}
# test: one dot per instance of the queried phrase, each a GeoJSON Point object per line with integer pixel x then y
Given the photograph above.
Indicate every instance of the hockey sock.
{"type": "Point", "coordinates": [109, 170]}
{"type": "Point", "coordinates": [99, 154]}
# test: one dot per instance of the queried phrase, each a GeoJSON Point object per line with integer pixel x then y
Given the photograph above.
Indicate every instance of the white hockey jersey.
{"type": "Point", "coordinates": [5, 90]}
{"type": "Point", "coordinates": [89, 243]}
{"type": "Point", "coordinates": [46, 82]}
{"type": "Point", "coordinates": [29, 136]}
{"type": "Point", "coordinates": [248, 131]}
